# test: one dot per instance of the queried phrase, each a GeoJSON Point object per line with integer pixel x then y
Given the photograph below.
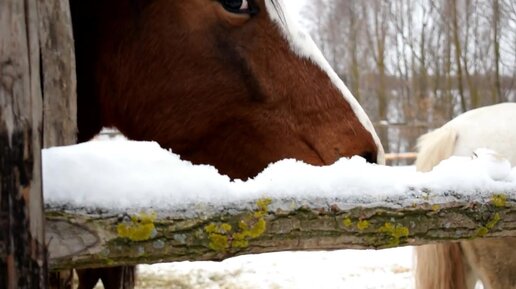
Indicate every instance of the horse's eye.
{"type": "Point", "coordinates": [237, 6]}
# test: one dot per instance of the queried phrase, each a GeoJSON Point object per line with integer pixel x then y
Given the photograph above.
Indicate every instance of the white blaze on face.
{"type": "Point", "coordinates": [302, 45]}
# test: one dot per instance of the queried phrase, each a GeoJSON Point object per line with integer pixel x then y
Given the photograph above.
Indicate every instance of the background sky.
{"type": "Point", "coordinates": [294, 7]}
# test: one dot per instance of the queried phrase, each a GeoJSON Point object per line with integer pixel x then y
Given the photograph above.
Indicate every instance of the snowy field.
{"type": "Point", "coordinates": [353, 269]}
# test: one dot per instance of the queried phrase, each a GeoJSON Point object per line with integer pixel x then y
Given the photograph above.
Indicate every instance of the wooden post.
{"type": "Point", "coordinates": [59, 78]}
{"type": "Point", "coordinates": [59, 89]}
{"type": "Point", "coordinates": [35, 108]}
{"type": "Point", "coordinates": [22, 244]}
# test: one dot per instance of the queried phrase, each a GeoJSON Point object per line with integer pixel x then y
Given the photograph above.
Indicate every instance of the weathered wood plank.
{"type": "Point", "coordinates": [89, 238]}
{"type": "Point", "coordinates": [59, 78]}
{"type": "Point", "coordinates": [59, 86]}
{"type": "Point", "coordinates": [22, 248]}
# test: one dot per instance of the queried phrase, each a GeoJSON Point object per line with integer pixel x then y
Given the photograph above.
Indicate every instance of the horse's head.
{"type": "Point", "coordinates": [231, 83]}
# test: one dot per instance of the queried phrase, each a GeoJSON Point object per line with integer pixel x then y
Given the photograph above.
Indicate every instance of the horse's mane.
{"type": "Point", "coordinates": [279, 9]}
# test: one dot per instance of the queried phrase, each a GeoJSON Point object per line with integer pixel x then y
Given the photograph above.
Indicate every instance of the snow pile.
{"type": "Point", "coordinates": [125, 174]}
{"type": "Point", "coordinates": [385, 269]}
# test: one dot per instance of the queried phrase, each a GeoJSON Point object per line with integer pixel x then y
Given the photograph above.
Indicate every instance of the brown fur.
{"type": "Point", "coordinates": [216, 87]}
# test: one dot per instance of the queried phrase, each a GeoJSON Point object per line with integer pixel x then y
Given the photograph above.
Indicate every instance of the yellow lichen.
{"type": "Point", "coordinates": [362, 225]}
{"type": "Point", "coordinates": [225, 228]}
{"type": "Point", "coordinates": [240, 240]}
{"type": "Point", "coordinates": [436, 207]}
{"type": "Point", "coordinates": [484, 230]}
{"type": "Point", "coordinates": [395, 232]}
{"type": "Point", "coordinates": [258, 229]}
{"type": "Point", "coordinates": [140, 227]}
{"type": "Point", "coordinates": [494, 220]}
{"type": "Point", "coordinates": [243, 225]}
{"type": "Point", "coordinates": [223, 237]}
{"type": "Point", "coordinates": [499, 200]}
{"type": "Point", "coordinates": [240, 244]}
{"type": "Point", "coordinates": [347, 222]}
{"type": "Point", "coordinates": [263, 204]}
{"type": "Point", "coordinates": [481, 232]}
{"type": "Point", "coordinates": [218, 242]}
{"type": "Point", "coordinates": [211, 228]}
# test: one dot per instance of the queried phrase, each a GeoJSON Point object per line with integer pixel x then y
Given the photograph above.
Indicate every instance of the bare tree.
{"type": "Point", "coordinates": [420, 62]}
{"type": "Point", "coordinates": [376, 12]}
{"type": "Point", "coordinates": [495, 30]}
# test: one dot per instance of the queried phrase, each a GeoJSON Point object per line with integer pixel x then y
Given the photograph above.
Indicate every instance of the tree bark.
{"type": "Point", "coordinates": [22, 248]}
{"type": "Point", "coordinates": [92, 237]}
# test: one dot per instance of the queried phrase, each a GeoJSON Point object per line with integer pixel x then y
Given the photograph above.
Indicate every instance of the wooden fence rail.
{"type": "Point", "coordinates": [89, 238]}
{"type": "Point", "coordinates": [400, 156]}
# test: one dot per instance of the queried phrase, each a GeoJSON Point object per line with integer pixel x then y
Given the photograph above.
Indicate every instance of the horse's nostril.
{"type": "Point", "coordinates": [370, 157]}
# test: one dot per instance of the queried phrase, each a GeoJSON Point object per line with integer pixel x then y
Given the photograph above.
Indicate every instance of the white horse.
{"type": "Point", "coordinates": [460, 265]}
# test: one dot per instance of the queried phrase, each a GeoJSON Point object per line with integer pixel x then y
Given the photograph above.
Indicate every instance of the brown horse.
{"type": "Point", "coordinates": [460, 265]}
{"type": "Point", "coordinates": [231, 83]}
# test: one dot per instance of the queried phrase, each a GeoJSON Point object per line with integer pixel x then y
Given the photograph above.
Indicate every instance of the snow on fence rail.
{"type": "Point", "coordinates": [120, 202]}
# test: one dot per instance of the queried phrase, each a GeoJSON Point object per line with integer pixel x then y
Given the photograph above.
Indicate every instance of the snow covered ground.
{"type": "Point", "coordinates": [353, 269]}
{"type": "Point", "coordinates": [349, 269]}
